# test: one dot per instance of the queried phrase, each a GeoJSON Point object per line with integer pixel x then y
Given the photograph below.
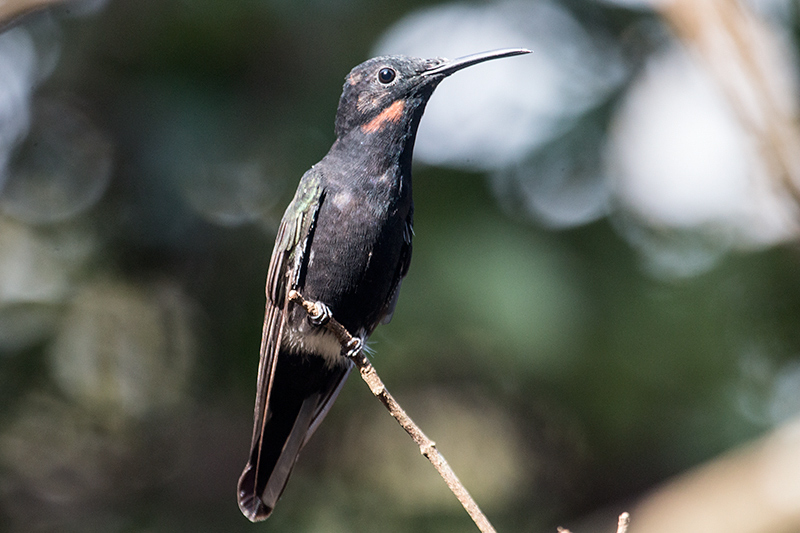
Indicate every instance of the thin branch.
{"type": "Point", "coordinates": [742, 54]}
{"type": "Point", "coordinates": [10, 12]}
{"type": "Point", "coordinates": [426, 446]}
{"type": "Point", "coordinates": [623, 522]}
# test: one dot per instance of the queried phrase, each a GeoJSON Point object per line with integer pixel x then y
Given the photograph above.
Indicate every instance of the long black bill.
{"type": "Point", "coordinates": [449, 66]}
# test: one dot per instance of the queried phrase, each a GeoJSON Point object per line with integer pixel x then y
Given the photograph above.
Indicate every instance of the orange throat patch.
{"type": "Point", "coordinates": [393, 113]}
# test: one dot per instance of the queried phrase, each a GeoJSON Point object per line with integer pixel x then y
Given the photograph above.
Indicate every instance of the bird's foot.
{"type": "Point", "coordinates": [352, 347]}
{"type": "Point", "coordinates": [321, 315]}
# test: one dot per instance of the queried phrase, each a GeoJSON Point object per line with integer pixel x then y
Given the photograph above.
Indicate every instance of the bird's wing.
{"type": "Point", "coordinates": [291, 244]}
{"type": "Point", "coordinates": [295, 229]}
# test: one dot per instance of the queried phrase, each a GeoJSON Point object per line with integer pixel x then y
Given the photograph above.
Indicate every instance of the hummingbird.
{"type": "Point", "coordinates": [344, 242]}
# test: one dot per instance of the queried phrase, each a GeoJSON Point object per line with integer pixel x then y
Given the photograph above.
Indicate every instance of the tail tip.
{"type": "Point", "coordinates": [249, 503]}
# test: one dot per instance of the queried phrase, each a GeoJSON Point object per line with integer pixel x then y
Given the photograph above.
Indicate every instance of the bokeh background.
{"type": "Point", "coordinates": [601, 313]}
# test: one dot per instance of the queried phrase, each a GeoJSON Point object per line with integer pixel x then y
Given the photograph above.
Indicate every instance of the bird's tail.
{"type": "Point", "coordinates": [302, 391]}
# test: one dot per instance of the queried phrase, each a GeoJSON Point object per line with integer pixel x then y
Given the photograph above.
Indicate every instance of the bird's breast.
{"type": "Point", "coordinates": [353, 258]}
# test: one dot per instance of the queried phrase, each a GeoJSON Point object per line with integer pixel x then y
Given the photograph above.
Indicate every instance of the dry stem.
{"type": "Point", "coordinates": [426, 446]}
{"type": "Point", "coordinates": [623, 522]}
{"type": "Point", "coordinates": [743, 56]}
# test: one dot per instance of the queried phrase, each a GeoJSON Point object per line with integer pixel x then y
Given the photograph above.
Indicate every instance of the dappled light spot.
{"type": "Point", "coordinates": [680, 161]}
{"type": "Point", "coordinates": [61, 170]}
{"type": "Point", "coordinates": [125, 349]}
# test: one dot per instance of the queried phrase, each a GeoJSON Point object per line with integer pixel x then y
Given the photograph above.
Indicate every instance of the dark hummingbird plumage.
{"type": "Point", "coordinates": [345, 241]}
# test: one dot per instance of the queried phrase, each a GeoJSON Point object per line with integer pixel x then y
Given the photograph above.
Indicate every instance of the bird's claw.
{"type": "Point", "coordinates": [321, 316]}
{"type": "Point", "coordinates": [352, 347]}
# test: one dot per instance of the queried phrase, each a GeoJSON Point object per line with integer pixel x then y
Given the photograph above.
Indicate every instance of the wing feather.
{"type": "Point", "coordinates": [291, 245]}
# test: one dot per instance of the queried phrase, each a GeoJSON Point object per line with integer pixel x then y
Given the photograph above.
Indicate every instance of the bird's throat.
{"type": "Point", "coordinates": [392, 114]}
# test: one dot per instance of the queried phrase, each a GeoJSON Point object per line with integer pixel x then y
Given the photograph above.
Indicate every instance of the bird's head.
{"type": "Point", "coordinates": [389, 90]}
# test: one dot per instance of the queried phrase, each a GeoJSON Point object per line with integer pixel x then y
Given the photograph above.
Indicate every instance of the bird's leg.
{"type": "Point", "coordinates": [321, 316]}
{"type": "Point", "coordinates": [351, 348]}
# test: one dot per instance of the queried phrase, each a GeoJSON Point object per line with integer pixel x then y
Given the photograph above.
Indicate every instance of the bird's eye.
{"type": "Point", "coordinates": [386, 75]}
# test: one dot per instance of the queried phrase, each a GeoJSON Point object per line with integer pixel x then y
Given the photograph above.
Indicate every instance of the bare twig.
{"type": "Point", "coordinates": [745, 59]}
{"type": "Point", "coordinates": [11, 11]}
{"type": "Point", "coordinates": [623, 522]}
{"type": "Point", "coordinates": [426, 446]}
